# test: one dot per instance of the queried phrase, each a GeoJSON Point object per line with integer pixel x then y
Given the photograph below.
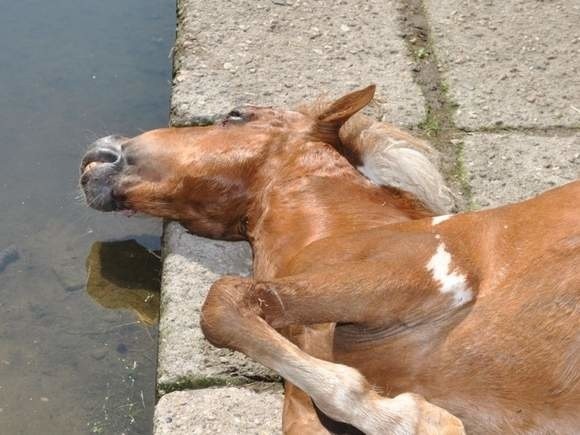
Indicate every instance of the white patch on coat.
{"type": "Point", "coordinates": [438, 219]}
{"type": "Point", "coordinates": [450, 282]}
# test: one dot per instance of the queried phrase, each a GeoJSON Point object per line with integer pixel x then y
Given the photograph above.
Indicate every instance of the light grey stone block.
{"type": "Point", "coordinates": [225, 411]}
{"type": "Point", "coordinates": [262, 52]}
{"type": "Point", "coordinates": [286, 52]}
{"type": "Point", "coordinates": [192, 264]}
{"type": "Point", "coordinates": [505, 168]}
{"type": "Point", "coordinates": [272, 53]}
{"type": "Point", "coordinates": [510, 63]}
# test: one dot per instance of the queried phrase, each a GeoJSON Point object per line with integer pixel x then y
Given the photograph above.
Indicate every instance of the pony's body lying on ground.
{"type": "Point", "coordinates": [389, 319]}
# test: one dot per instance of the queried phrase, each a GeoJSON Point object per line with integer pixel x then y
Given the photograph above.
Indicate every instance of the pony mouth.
{"type": "Point", "coordinates": [99, 183]}
{"type": "Point", "coordinates": [102, 199]}
{"type": "Point", "coordinates": [100, 193]}
{"type": "Point", "coordinates": [89, 166]}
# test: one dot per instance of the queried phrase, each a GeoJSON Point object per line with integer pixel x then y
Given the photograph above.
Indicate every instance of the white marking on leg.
{"type": "Point", "coordinates": [438, 219]}
{"type": "Point", "coordinates": [337, 389]}
{"type": "Point", "coordinates": [342, 393]}
{"type": "Point", "coordinates": [450, 282]}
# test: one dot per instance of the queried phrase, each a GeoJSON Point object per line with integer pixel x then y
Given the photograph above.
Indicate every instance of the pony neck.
{"type": "Point", "coordinates": [315, 196]}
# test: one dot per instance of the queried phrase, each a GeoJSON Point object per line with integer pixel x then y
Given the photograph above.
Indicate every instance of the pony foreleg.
{"type": "Point", "coordinates": [232, 317]}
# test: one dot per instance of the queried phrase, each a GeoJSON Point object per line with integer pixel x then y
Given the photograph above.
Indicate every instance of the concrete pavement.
{"type": "Point", "coordinates": [508, 76]}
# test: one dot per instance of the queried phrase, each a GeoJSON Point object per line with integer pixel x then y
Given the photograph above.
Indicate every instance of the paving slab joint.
{"type": "Point", "coordinates": [438, 126]}
{"type": "Point", "coordinates": [552, 131]}
{"type": "Point", "coordinates": [209, 382]}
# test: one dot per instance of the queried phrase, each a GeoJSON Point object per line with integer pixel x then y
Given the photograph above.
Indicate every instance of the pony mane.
{"type": "Point", "coordinates": [389, 156]}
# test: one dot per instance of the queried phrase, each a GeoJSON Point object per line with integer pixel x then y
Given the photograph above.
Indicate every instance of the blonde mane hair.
{"type": "Point", "coordinates": [392, 157]}
{"type": "Point", "coordinates": [389, 156]}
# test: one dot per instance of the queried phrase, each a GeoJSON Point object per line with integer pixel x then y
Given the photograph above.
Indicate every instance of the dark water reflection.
{"type": "Point", "coordinates": [76, 359]}
{"type": "Point", "coordinates": [125, 275]}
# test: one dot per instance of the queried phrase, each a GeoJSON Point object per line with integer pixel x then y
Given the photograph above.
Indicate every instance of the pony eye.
{"type": "Point", "coordinates": [235, 116]}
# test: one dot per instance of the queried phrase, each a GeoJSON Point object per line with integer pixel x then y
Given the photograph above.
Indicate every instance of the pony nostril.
{"type": "Point", "coordinates": [101, 155]}
{"type": "Point", "coordinates": [107, 155]}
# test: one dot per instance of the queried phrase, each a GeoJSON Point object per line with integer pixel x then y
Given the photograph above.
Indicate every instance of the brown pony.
{"type": "Point", "coordinates": [375, 312]}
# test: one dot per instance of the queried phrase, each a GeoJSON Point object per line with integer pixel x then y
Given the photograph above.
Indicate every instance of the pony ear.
{"type": "Point", "coordinates": [338, 112]}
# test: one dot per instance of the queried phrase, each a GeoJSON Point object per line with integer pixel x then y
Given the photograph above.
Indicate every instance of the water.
{"type": "Point", "coordinates": [76, 358]}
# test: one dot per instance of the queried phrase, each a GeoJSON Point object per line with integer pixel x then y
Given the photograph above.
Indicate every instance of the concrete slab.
{"type": "Point", "coordinates": [505, 168]}
{"type": "Point", "coordinates": [263, 52]}
{"type": "Point", "coordinates": [285, 51]}
{"type": "Point", "coordinates": [510, 63]}
{"type": "Point", "coordinates": [192, 264]}
{"type": "Point", "coordinates": [225, 411]}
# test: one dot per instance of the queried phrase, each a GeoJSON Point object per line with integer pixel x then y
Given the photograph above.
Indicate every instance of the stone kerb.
{"type": "Point", "coordinates": [273, 53]}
